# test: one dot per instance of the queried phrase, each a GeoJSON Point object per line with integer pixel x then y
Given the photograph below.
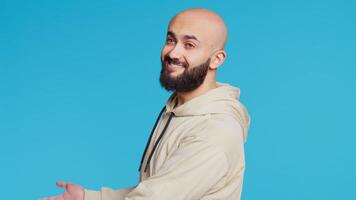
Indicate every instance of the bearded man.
{"type": "Point", "coordinates": [196, 148]}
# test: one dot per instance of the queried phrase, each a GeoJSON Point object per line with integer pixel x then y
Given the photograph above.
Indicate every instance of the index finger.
{"type": "Point", "coordinates": [61, 184]}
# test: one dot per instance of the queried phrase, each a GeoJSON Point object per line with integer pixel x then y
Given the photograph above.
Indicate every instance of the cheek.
{"type": "Point", "coordinates": [197, 59]}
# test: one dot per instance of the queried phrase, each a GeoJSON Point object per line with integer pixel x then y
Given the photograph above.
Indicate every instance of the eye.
{"type": "Point", "coordinates": [169, 41]}
{"type": "Point", "coordinates": [189, 45]}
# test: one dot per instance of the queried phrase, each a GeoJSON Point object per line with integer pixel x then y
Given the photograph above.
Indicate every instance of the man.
{"type": "Point", "coordinates": [196, 148]}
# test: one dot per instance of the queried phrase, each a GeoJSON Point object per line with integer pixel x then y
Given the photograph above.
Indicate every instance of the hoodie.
{"type": "Point", "coordinates": [195, 151]}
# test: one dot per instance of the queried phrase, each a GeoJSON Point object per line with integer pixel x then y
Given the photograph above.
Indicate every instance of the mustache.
{"type": "Point", "coordinates": [174, 61]}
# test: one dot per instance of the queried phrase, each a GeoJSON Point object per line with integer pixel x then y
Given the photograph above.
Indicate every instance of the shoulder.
{"type": "Point", "coordinates": [225, 133]}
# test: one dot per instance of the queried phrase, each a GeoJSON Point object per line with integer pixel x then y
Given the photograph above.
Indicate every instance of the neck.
{"type": "Point", "coordinates": [203, 88]}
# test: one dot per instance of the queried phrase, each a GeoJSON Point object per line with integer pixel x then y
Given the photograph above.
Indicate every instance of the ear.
{"type": "Point", "coordinates": [217, 59]}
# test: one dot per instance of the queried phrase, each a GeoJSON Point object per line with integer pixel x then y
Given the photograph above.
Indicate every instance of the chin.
{"type": "Point", "coordinates": [173, 75]}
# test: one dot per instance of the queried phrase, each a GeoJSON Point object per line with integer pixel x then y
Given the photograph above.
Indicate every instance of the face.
{"type": "Point", "coordinates": [185, 57]}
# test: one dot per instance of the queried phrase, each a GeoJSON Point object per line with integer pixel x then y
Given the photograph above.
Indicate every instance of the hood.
{"type": "Point", "coordinates": [222, 100]}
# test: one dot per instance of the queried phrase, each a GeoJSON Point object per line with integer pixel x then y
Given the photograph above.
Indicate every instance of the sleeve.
{"type": "Point", "coordinates": [194, 168]}
{"type": "Point", "coordinates": [106, 194]}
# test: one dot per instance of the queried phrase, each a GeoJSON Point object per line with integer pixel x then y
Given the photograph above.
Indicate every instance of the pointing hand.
{"type": "Point", "coordinates": [72, 192]}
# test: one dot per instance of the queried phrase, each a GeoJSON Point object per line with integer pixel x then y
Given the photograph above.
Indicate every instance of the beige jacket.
{"type": "Point", "coordinates": [200, 156]}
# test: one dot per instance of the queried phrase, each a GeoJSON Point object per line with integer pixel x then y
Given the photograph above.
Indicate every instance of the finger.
{"type": "Point", "coordinates": [61, 184]}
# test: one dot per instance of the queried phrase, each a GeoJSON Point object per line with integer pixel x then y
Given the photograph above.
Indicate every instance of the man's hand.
{"type": "Point", "coordinates": [72, 192]}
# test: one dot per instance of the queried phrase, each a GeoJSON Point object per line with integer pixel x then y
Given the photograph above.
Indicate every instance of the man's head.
{"type": "Point", "coordinates": [193, 50]}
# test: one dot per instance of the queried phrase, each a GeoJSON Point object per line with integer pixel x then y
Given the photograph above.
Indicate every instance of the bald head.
{"type": "Point", "coordinates": [208, 25]}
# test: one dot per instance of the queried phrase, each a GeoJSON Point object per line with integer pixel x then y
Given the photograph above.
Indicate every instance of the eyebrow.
{"type": "Point", "coordinates": [187, 37]}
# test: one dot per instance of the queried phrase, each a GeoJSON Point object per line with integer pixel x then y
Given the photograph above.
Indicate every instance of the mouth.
{"type": "Point", "coordinates": [173, 67]}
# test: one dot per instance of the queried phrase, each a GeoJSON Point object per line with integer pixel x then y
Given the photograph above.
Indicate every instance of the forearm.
{"type": "Point", "coordinates": [106, 194]}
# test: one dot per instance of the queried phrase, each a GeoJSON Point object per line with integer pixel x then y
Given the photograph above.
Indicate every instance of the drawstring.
{"type": "Point", "coordinates": [149, 140]}
{"type": "Point", "coordinates": [159, 138]}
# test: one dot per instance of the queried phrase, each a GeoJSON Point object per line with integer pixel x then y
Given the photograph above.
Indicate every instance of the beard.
{"type": "Point", "coordinates": [189, 80]}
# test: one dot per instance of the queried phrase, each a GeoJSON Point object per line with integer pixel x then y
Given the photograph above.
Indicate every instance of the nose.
{"type": "Point", "coordinates": [176, 52]}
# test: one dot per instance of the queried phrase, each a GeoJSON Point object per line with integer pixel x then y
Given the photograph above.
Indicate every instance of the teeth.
{"type": "Point", "coordinates": [171, 63]}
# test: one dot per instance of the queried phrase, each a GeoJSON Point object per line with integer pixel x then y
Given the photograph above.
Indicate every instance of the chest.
{"type": "Point", "coordinates": [177, 129]}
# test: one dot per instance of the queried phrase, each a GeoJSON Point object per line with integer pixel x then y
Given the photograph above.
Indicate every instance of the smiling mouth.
{"type": "Point", "coordinates": [173, 67]}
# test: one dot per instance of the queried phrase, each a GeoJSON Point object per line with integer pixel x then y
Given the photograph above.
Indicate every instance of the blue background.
{"type": "Point", "coordinates": [79, 93]}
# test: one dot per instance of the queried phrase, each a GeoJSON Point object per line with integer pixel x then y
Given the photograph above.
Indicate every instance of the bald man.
{"type": "Point", "coordinates": [196, 148]}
